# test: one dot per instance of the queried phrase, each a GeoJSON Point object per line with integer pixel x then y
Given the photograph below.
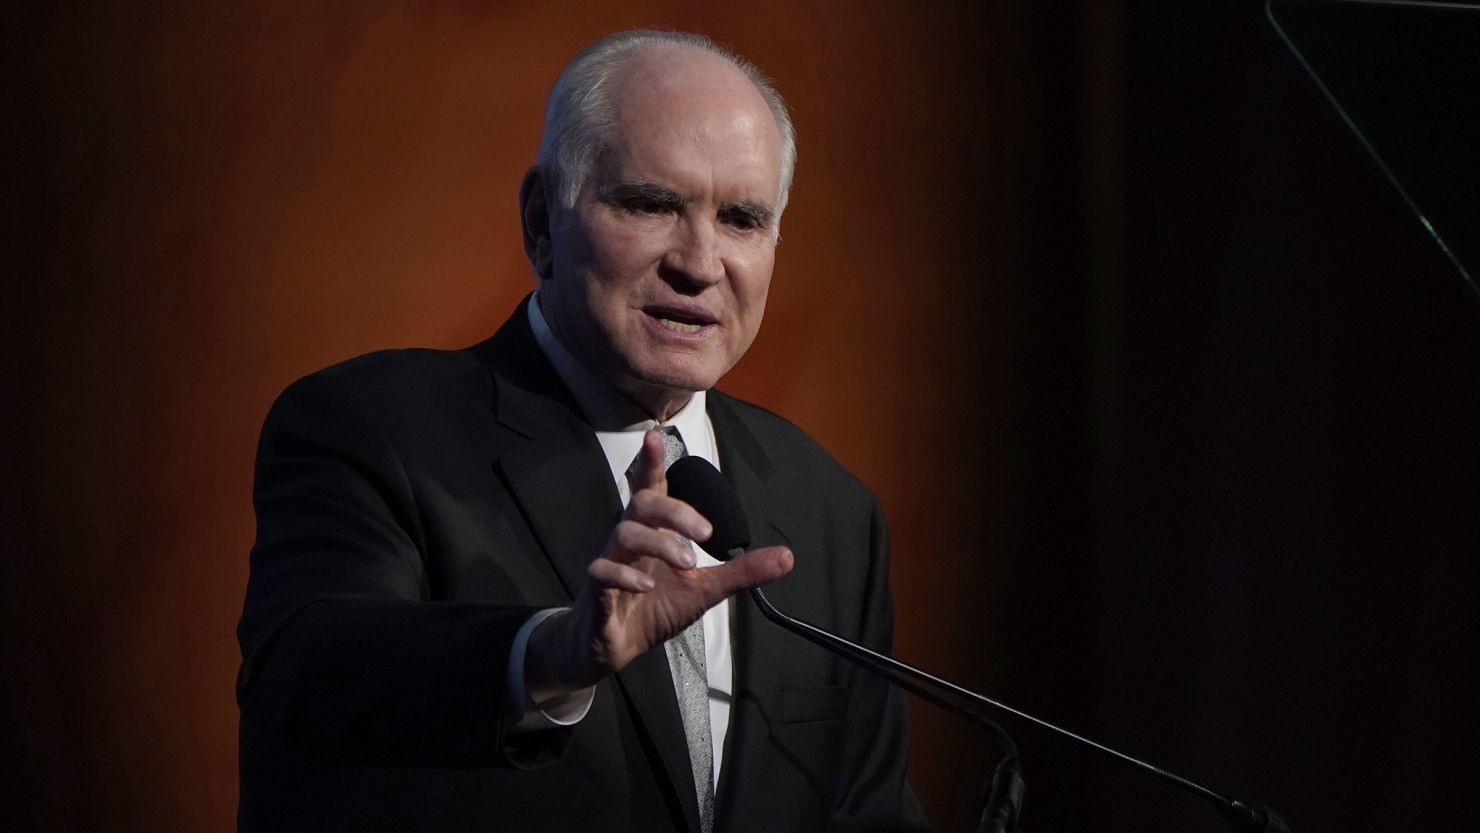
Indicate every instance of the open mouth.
{"type": "Point", "coordinates": [679, 321]}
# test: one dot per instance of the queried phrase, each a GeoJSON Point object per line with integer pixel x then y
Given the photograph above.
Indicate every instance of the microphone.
{"type": "Point", "coordinates": [698, 483]}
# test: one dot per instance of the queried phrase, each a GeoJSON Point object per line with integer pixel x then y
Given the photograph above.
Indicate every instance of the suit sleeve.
{"type": "Point", "coordinates": [344, 654]}
{"type": "Point", "coordinates": [877, 797]}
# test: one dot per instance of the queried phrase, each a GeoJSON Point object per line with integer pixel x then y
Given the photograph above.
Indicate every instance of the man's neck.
{"type": "Point", "coordinates": [659, 404]}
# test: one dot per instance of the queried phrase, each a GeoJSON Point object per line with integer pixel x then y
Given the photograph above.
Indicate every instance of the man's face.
{"type": "Point", "coordinates": [660, 272]}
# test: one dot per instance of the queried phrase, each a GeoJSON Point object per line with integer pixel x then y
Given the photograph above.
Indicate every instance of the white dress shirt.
{"type": "Point", "coordinates": [620, 426]}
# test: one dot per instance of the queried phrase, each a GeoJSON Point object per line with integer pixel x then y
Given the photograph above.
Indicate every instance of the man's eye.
{"type": "Point", "coordinates": [653, 207]}
{"type": "Point", "coordinates": [741, 221]}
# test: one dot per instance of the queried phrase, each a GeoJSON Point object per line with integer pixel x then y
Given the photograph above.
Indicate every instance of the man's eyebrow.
{"type": "Point", "coordinates": [756, 212]}
{"type": "Point", "coordinates": [640, 191]}
{"type": "Point", "coordinates": [643, 191]}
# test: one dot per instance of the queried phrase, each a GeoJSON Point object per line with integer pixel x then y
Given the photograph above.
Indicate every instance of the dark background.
{"type": "Point", "coordinates": [1171, 403]}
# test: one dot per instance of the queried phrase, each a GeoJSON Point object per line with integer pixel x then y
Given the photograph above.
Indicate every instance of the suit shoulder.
{"type": "Point", "coordinates": [407, 365]}
{"type": "Point", "coordinates": [393, 384]}
{"type": "Point", "coordinates": [796, 456]}
{"type": "Point", "coordinates": [768, 425]}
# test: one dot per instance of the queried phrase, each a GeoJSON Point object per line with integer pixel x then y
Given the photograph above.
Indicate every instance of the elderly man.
{"type": "Point", "coordinates": [474, 606]}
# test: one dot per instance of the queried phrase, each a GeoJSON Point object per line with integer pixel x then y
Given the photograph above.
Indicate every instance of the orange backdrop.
{"type": "Point", "coordinates": [217, 198]}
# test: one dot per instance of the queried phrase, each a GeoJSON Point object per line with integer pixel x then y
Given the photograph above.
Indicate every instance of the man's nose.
{"type": "Point", "coordinates": [695, 254]}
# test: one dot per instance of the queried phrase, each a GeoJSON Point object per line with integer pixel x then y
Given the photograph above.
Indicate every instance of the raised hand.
{"type": "Point", "coordinates": [642, 590]}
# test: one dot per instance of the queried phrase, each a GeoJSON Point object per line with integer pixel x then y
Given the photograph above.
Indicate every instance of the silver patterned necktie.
{"type": "Point", "coordinates": [691, 681]}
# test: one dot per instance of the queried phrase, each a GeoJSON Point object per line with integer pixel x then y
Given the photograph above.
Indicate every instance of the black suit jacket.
{"type": "Point", "coordinates": [415, 507]}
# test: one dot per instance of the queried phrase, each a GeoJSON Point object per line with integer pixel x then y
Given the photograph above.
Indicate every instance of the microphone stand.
{"type": "Point", "coordinates": [1007, 784]}
{"type": "Point", "coordinates": [701, 485]}
{"type": "Point", "coordinates": [1004, 801]}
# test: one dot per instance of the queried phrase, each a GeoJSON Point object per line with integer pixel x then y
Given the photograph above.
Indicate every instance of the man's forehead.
{"type": "Point", "coordinates": [667, 68]}
{"type": "Point", "coordinates": [685, 88]}
{"type": "Point", "coordinates": [686, 119]}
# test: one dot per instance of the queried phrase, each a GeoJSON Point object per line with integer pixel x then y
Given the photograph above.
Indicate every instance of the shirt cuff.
{"type": "Point", "coordinates": [525, 716]}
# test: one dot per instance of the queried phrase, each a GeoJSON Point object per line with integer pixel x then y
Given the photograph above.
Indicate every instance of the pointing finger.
{"type": "Point", "coordinates": [647, 470]}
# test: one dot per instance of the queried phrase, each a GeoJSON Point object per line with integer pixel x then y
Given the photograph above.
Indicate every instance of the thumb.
{"type": "Point", "coordinates": [751, 569]}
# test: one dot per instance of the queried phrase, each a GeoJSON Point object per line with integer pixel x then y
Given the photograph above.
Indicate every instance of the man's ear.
{"type": "Point", "coordinates": [534, 220]}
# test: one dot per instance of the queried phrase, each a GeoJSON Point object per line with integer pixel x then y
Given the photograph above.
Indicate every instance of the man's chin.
{"type": "Point", "coordinates": [685, 374]}
{"type": "Point", "coordinates": [658, 389]}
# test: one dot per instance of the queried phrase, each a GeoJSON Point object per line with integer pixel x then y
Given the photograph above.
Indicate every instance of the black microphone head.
{"type": "Point", "coordinates": [695, 481]}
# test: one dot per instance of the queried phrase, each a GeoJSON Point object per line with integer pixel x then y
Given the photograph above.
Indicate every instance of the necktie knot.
{"type": "Point", "coordinates": [673, 446]}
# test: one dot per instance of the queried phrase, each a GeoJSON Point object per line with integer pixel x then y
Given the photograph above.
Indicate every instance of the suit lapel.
{"type": "Point", "coordinates": [547, 455]}
{"type": "Point", "coordinates": [557, 473]}
{"type": "Point", "coordinates": [752, 639]}
{"type": "Point", "coordinates": [565, 492]}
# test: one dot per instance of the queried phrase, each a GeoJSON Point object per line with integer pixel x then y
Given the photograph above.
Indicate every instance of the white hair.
{"type": "Point", "coordinates": [579, 114]}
